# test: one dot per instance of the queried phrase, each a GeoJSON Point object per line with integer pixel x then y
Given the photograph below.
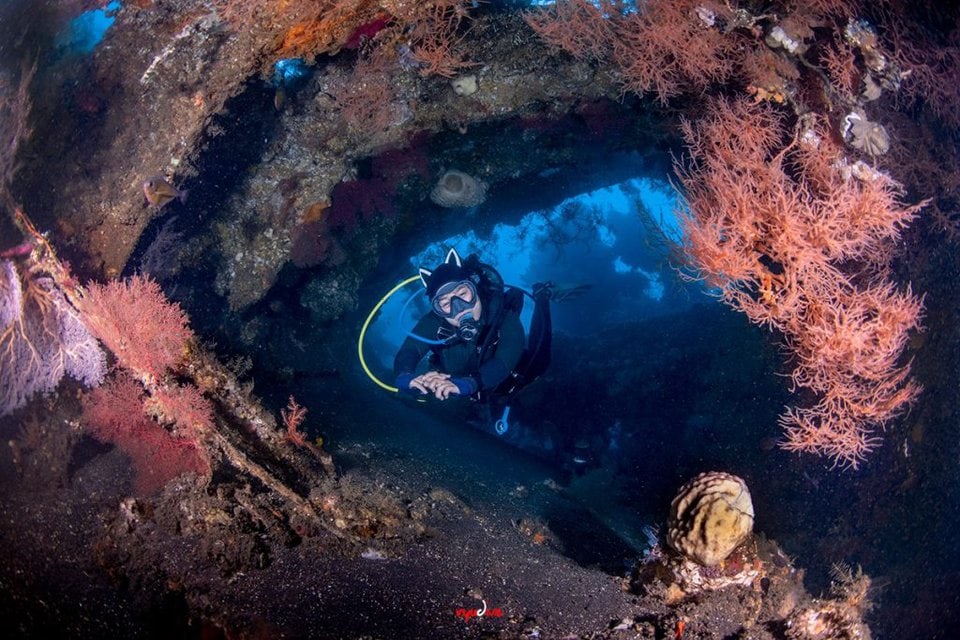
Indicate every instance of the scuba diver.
{"type": "Point", "coordinates": [473, 336]}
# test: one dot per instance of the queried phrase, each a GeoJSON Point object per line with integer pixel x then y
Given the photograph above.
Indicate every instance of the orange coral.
{"type": "Point", "coordinates": [576, 26]}
{"type": "Point", "coordinates": [777, 229]}
{"type": "Point", "coordinates": [314, 212]}
{"type": "Point", "coordinates": [669, 48]}
{"type": "Point", "coordinates": [841, 68]}
{"type": "Point", "coordinates": [327, 30]}
{"type": "Point", "coordinates": [433, 30]}
{"type": "Point", "coordinates": [436, 32]}
{"type": "Point", "coordinates": [769, 75]}
{"type": "Point", "coordinates": [368, 102]}
{"type": "Point", "coordinates": [664, 47]}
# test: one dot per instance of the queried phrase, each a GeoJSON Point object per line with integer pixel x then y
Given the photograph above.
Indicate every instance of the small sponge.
{"type": "Point", "coordinates": [457, 189]}
{"type": "Point", "coordinates": [710, 517]}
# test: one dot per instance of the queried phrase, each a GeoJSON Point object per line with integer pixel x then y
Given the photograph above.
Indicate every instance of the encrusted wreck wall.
{"type": "Point", "coordinates": [355, 108]}
{"type": "Point", "coordinates": [140, 106]}
{"type": "Point", "coordinates": [156, 94]}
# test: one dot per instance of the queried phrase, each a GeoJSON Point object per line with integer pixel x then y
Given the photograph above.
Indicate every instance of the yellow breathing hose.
{"type": "Point", "coordinates": [366, 324]}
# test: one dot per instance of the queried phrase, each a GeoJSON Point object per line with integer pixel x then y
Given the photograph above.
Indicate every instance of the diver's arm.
{"type": "Point", "coordinates": [411, 352]}
{"type": "Point", "coordinates": [405, 363]}
{"type": "Point", "coordinates": [505, 357]}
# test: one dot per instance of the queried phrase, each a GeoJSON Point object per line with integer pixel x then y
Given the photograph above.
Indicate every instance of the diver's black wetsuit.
{"type": "Point", "coordinates": [462, 359]}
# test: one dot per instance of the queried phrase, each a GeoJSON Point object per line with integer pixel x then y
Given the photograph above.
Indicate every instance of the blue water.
{"type": "Point", "coordinates": [587, 247]}
{"type": "Point", "coordinates": [87, 30]}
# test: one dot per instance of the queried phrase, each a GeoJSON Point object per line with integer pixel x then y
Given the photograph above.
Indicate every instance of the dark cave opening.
{"type": "Point", "coordinates": [678, 419]}
{"type": "Point", "coordinates": [601, 144]}
{"type": "Point", "coordinates": [646, 379]}
{"type": "Point", "coordinates": [701, 388]}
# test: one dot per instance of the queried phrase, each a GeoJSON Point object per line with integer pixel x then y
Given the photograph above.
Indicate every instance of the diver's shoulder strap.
{"type": "Point", "coordinates": [511, 301]}
{"type": "Point", "coordinates": [537, 355]}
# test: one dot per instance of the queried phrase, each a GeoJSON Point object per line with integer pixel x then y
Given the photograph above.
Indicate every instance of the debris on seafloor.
{"type": "Point", "coordinates": [534, 529]}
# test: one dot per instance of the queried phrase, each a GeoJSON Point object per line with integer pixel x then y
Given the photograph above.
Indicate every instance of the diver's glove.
{"type": "Point", "coordinates": [465, 386]}
{"type": "Point", "coordinates": [403, 383]}
{"type": "Point", "coordinates": [542, 289]}
{"type": "Point", "coordinates": [559, 292]}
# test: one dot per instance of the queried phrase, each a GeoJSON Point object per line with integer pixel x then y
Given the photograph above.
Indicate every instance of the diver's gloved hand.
{"type": "Point", "coordinates": [431, 382]}
{"type": "Point", "coordinates": [445, 389]}
{"type": "Point", "coordinates": [542, 289]}
{"type": "Point", "coordinates": [403, 381]}
{"type": "Point", "coordinates": [465, 386]}
{"type": "Point", "coordinates": [440, 385]}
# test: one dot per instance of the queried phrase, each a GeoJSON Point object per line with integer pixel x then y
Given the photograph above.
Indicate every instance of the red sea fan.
{"type": "Point", "coordinates": [182, 406]}
{"type": "Point", "coordinates": [158, 424]}
{"type": "Point", "coordinates": [114, 413]}
{"type": "Point", "coordinates": [146, 332]}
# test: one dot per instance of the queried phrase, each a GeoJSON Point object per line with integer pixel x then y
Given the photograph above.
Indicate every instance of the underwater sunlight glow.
{"type": "Point", "coordinates": [580, 241]}
{"type": "Point", "coordinates": [87, 30]}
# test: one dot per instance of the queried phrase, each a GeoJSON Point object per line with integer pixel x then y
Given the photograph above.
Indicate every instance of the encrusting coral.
{"type": "Point", "coordinates": [837, 618]}
{"type": "Point", "coordinates": [712, 519]}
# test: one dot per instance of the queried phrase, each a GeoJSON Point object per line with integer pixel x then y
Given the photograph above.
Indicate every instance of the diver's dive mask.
{"type": "Point", "coordinates": [454, 298]}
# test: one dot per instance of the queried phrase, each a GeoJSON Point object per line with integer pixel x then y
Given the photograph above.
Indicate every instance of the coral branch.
{"type": "Point", "coordinates": [790, 238]}
{"type": "Point", "coordinates": [293, 417]}
{"type": "Point", "coordinates": [147, 333]}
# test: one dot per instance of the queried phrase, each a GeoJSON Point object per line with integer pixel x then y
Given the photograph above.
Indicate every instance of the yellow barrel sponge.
{"type": "Point", "coordinates": [710, 516]}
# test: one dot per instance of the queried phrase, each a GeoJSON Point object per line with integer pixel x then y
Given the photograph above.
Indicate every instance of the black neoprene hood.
{"type": "Point", "coordinates": [446, 272]}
